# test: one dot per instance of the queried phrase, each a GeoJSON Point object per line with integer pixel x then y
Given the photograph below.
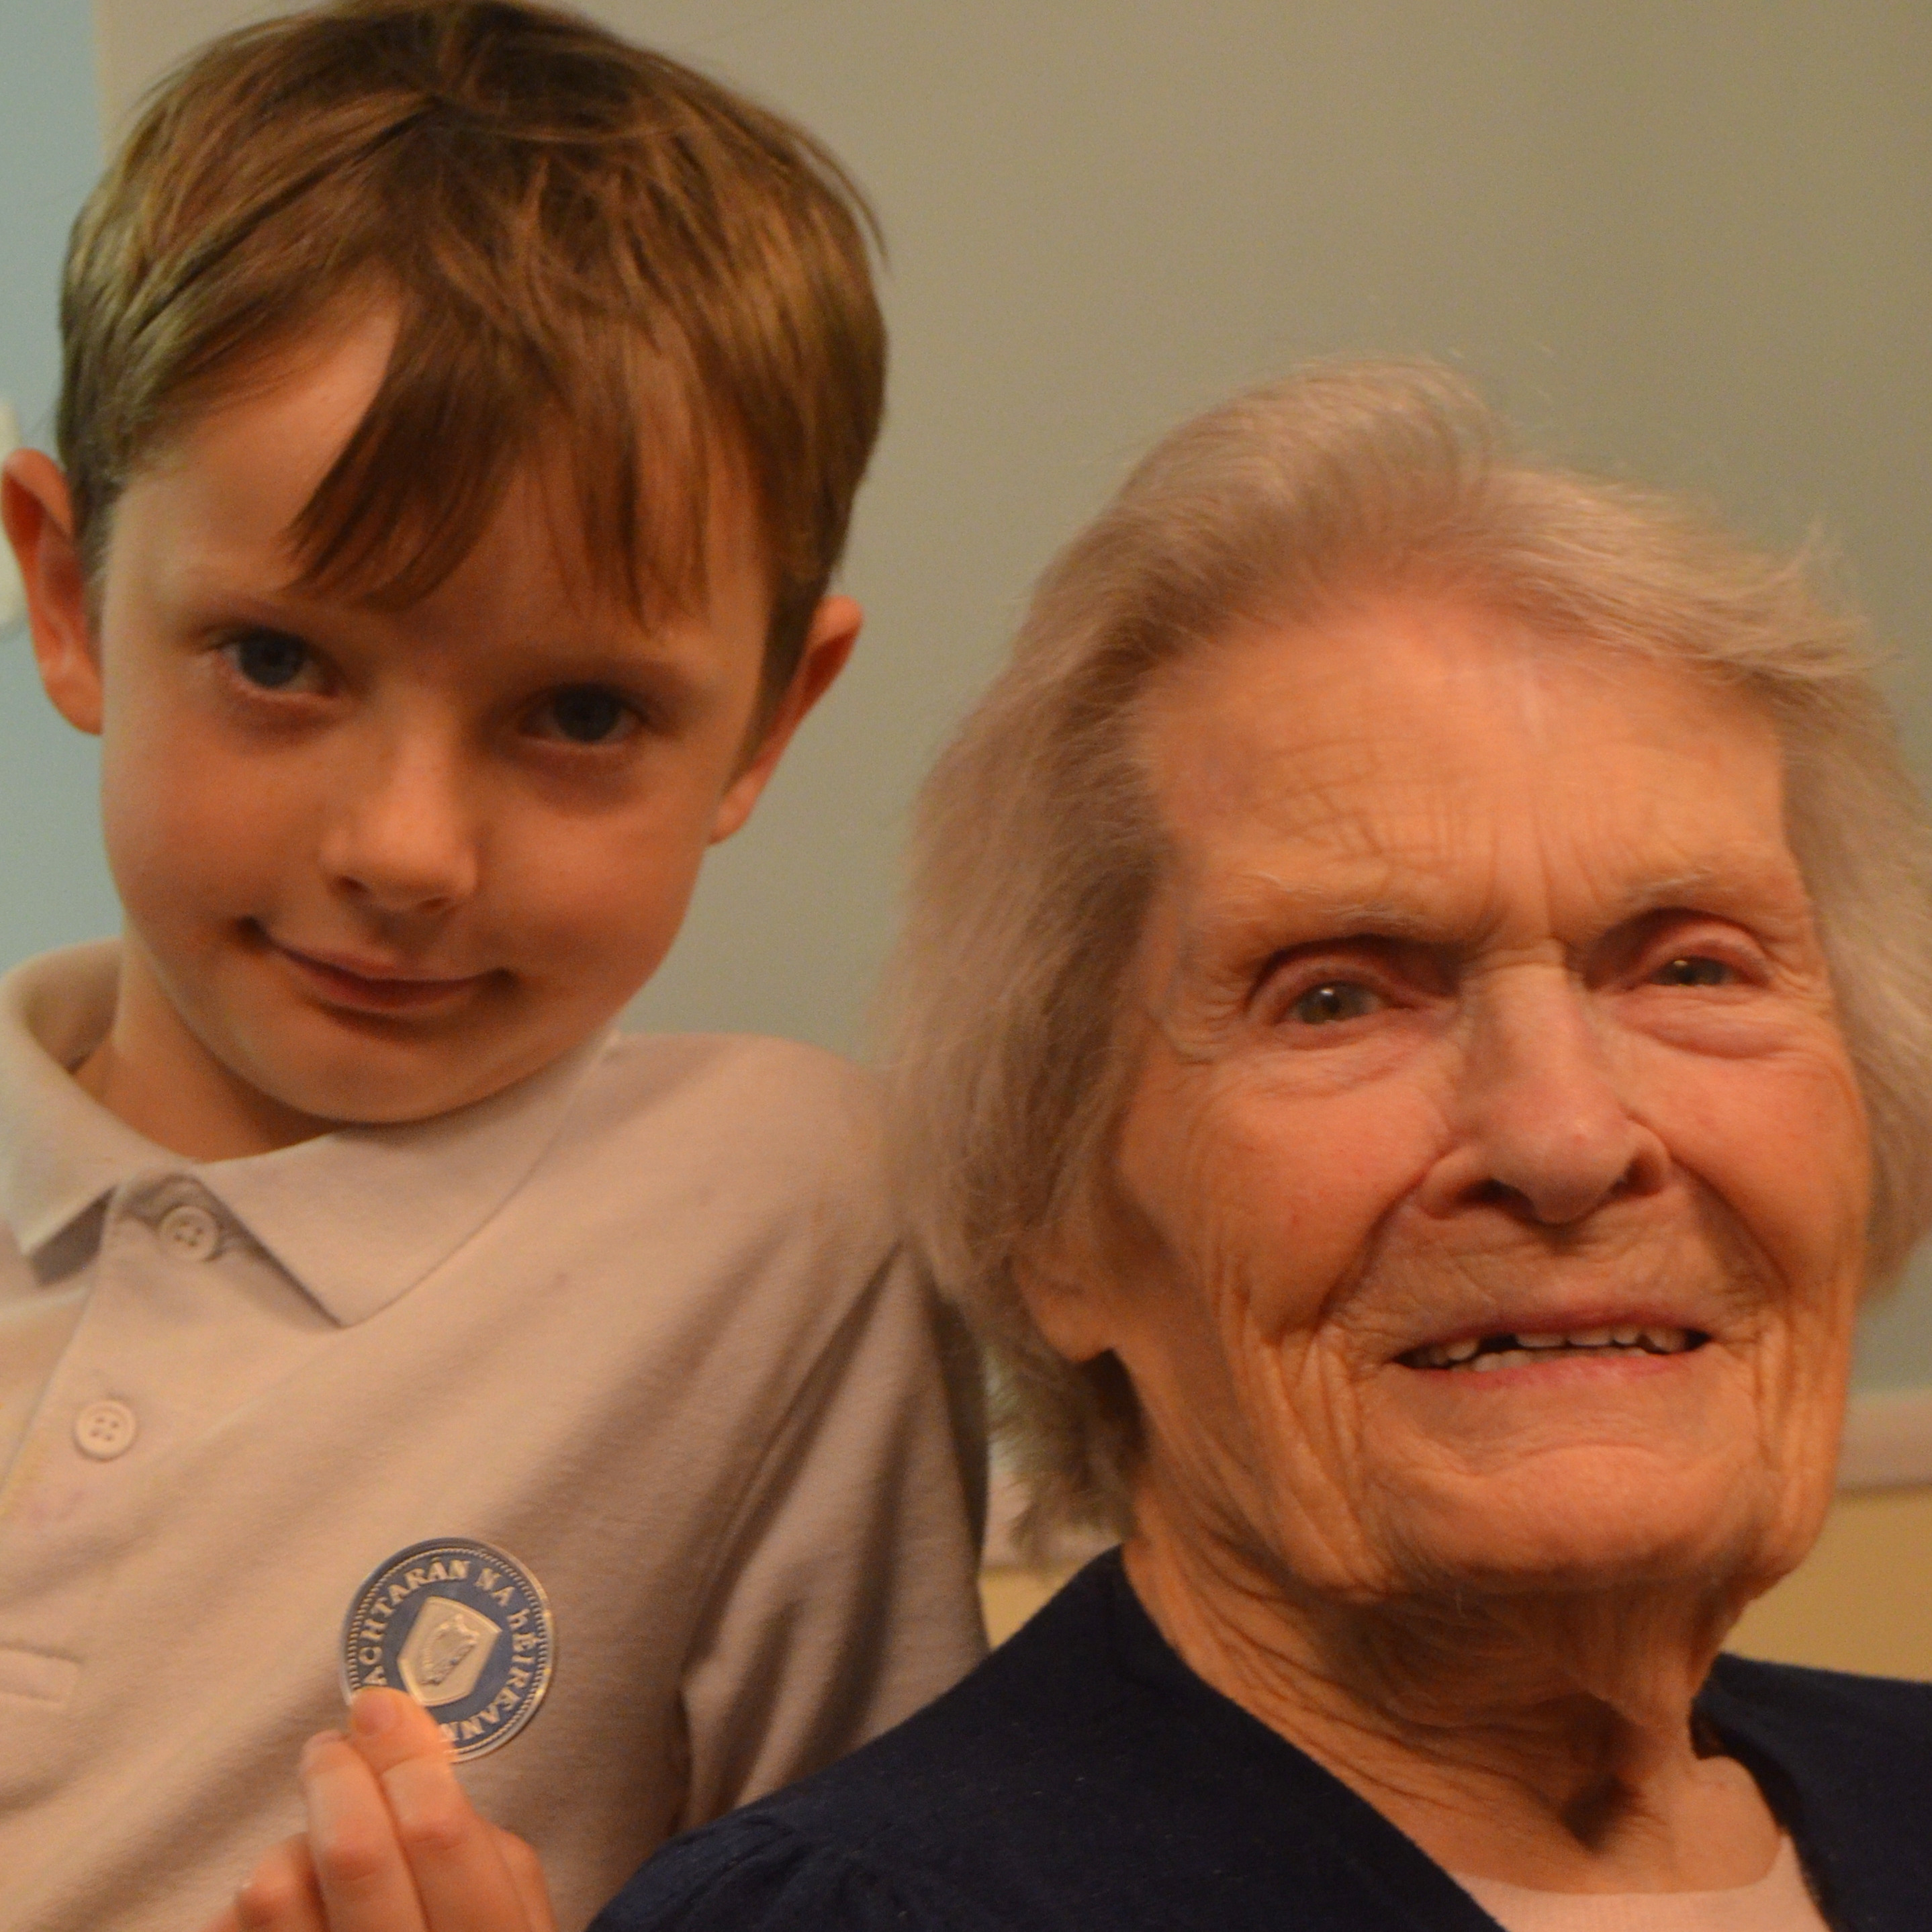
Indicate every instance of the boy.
{"type": "Point", "coordinates": [462, 415]}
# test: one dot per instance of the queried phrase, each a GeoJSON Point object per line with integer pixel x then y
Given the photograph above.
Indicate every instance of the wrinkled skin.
{"type": "Point", "coordinates": [1481, 997]}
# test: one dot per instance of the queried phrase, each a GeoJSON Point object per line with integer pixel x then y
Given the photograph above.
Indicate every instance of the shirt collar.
{"type": "Point", "coordinates": [60, 1150]}
{"type": "Point", "coordinates": [357, 1217]}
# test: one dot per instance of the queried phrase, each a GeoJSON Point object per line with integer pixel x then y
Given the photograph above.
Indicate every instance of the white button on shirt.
{"type": "Point", "coordinates": [188, 1232]}
{"type": "Point", "coordinates": [104, 1430]}
{"type": "Point", "coordinates": [642, 1322]}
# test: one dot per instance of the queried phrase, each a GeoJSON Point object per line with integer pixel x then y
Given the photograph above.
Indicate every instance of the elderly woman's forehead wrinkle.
{"type": "Point", "coordinates": [1459, 788]}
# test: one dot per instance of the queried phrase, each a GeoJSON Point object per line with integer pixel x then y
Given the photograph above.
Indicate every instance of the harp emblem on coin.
{"type": "Point", "coordinates": [464, 1629]}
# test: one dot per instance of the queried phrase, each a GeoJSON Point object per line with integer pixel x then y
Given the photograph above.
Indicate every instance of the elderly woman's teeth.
{"type": "Point", "coordinates": [1510, 1351]}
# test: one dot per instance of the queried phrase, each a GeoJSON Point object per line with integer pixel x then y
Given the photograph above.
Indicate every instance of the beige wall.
{"type": "Point", "coordinates": [137, 40]}
{"type": "Point", "coordinates": [1863, 1601]}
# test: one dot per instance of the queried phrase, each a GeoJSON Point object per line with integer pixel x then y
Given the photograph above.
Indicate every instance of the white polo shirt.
{"type": "Point", "coordinates": [642, 1322]}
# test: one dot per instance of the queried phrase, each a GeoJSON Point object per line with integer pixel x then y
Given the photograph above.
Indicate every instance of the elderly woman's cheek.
{"type": "Point", "coordinates": [1782, 1147]}
{"type": "Point", "coordinates": [1277, 1148]}
{"type": "Point", "coordinates": [1282, 1193]}
{"type": "Point", "coordinates": [1791, 1161]}
{"type": "Point", "coordinates": [1270, 1202]}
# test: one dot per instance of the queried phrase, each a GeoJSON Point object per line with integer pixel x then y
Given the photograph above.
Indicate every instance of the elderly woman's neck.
{"type": "Point", "coordinates": [1545, 1741]}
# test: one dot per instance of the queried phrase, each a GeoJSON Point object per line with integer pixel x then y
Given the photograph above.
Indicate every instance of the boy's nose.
{"type": "Point", "coordinates": [404, 838]}
{"type": "Point", "coordinates": [1545, 1130]}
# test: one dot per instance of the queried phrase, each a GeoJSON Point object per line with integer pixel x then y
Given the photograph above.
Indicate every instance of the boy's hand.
{"type": "Point", "coordinates": [393, 1844]}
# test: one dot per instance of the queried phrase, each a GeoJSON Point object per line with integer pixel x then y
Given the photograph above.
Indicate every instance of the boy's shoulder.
{"type": "Point", "coordinates": [666, 1058]}
{"type": "Point", "coordinates": [718, 1165]}
{"type": "Point", "coordinates": [749, 1087]}
{"type": "Point", "coordinates": [770, 1120]}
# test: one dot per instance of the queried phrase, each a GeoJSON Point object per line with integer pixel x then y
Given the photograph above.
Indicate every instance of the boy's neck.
{"type": "Point", "coordinates": [152, 1073]}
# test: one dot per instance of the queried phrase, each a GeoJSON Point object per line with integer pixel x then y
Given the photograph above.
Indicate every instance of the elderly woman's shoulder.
{"type": "Point", "coordinates": [1780, 1709]}
{"type": "Point", "coordinates": [1082, 1776]}
{"type": "Point", "coordinates": [920, 1830]}
{"type": "Point", "coordinates": [757, 1873]}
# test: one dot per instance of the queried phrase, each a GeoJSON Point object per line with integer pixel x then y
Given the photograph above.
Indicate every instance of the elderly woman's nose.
{"type": "Point", "coordinates": [1544, 1129]}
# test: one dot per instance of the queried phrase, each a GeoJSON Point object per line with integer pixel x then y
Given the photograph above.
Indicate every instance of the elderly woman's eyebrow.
{"type": "Point", "coordinates": [1265, 912]}
{"type": "Point", "coordinates": [1756, 888]}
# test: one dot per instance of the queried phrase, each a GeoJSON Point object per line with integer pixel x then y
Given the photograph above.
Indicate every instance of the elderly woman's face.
{"type": "Point", "coordinates": [1488, 1205]}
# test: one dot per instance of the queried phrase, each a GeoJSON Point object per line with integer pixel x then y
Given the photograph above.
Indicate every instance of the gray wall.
{"type": "Point", "coordinates": [53, 886]}
{"type": "Point", "coordinates": [1686, 242]}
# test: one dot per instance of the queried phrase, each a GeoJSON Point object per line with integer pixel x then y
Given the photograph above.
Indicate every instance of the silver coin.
{"type": "Point", "coordinates": [464, 1629]}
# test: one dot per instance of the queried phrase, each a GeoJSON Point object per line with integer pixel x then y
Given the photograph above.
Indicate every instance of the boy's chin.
{"type": "Point", "coordinates": [386, 1083]}
{"type": "Point", "coordinates": [220, 1064]}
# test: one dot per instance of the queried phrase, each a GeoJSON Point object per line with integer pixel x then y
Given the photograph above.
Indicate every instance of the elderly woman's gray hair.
{"type": "Point", "coordinates": [1038, 848]}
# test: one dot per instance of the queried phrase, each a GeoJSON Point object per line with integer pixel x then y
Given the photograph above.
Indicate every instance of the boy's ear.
{"type": "Point", "coordinates": [38, 513]}
{"type": "Point", "coordinates": [828, 645]}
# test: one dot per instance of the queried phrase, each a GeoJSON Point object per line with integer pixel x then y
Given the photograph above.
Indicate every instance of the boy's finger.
{"type": "Point", "coordinates": [280, 1894]}
{"type": "Point", "coordinates": [388, 1726]}
{"type": "Point", "coordinates": [526, 1873]}
{"type": "Point", "coordinates": [360, 1870]}
{"type": "Point", "coordinates": [461, 1871]}
{"type": "Point", "coordinates": [459, 1874]}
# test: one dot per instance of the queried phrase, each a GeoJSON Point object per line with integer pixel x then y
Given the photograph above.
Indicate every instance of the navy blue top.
{"type": "Point", "coordinates": [1083, 1779]}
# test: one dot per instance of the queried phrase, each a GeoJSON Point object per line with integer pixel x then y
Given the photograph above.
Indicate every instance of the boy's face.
{"type": "Point", "coordinates": [378, 865]}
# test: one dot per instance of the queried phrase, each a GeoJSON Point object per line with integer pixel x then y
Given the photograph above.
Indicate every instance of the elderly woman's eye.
{"type": "Point", "coordinates": [1694, 969]}
{"type": "Point", "coordinates": [1334, 1000]}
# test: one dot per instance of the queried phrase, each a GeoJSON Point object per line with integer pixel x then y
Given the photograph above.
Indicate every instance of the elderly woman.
{"type": "Point", "coordinates": [1415, 1036]}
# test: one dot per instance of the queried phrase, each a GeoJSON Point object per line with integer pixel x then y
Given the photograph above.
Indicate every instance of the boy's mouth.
{"type": "Point", "coordinates": [372, 985]}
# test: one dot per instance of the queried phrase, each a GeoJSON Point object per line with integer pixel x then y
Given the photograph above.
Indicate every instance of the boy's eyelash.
{"type": "Point", "coordinates": [279, 659]}
{"type": "Point", "coordinates": [260, 662]}
{"type": "Point", "coordinates": [590, 705]}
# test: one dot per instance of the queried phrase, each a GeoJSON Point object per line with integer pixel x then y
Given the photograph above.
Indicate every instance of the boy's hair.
{"type": "Point", "coordinates": [589, 246]}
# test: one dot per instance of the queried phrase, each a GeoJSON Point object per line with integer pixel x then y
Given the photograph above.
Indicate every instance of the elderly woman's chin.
{"type": "Point", "coordinates": [1693, 1479]}
{"type": "Point", "coordinates": [1605, 1513]}
{"type": "Point", "coordinates": [1708, 1466]}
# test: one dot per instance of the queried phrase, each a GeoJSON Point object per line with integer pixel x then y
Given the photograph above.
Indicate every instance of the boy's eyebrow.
{"type": "Point", "coordinates": [589, 654]}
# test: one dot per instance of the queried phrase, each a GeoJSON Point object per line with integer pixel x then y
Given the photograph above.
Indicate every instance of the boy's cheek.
{"type": "Point", "coordinates": [186, 833]}
{"type": "Point", "coordinates": [589, 917]}
{"type": "Point", "coordinates": [214, 846]}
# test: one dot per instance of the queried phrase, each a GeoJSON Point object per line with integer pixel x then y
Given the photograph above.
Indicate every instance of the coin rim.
{"type": "Point", "coordinates": [472, 1545]}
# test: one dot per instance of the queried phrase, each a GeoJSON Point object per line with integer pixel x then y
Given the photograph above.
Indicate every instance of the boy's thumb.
{"type": "Point", "coordinates": [389, 1727]}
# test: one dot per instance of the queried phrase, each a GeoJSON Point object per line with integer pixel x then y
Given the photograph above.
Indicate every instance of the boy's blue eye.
{"type": "Point", "coordinates": [587, 714]}
{"type": "Point", "coordinates": [269, 659]}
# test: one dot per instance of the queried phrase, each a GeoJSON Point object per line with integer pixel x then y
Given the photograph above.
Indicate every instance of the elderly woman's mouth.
{"type": "Point", "coordinates": [1476, 1354]}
